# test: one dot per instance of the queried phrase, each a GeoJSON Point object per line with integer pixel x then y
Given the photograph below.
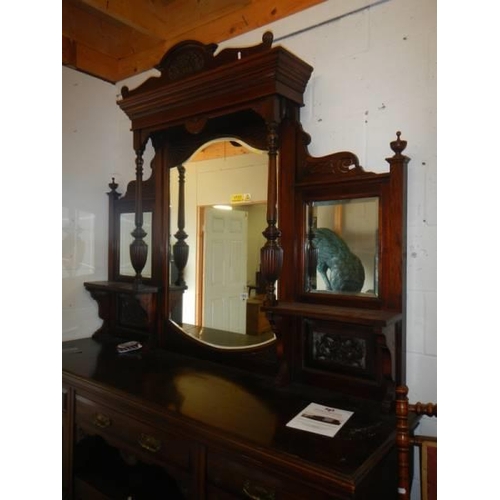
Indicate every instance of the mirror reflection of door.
{"type": "Point", "coordinates": [225, 270]}
{"type": "Point", "coordinates": [213, 176]}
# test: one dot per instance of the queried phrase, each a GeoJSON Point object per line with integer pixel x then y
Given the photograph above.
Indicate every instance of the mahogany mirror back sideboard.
{"type": "Point", "coordinates": [201, 410]}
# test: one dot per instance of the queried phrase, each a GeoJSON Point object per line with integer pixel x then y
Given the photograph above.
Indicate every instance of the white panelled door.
{"type": "Point", "coordinates": [225, 281]}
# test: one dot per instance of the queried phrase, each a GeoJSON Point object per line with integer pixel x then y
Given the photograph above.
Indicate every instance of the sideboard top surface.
{"type": "Point", "coordinates": [232, 404]}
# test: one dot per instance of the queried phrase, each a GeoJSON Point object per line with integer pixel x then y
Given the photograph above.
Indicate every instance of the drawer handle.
{"type": "Point", "coordinates": [102, 421]}
{"type": "Point", "coordinates": [149, 443]}
{"type": "Point", "coordinates": [257, 492]}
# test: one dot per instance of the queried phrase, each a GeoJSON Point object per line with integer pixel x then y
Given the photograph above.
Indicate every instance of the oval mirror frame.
{"type": "Point", "coordinates": [225, 173]}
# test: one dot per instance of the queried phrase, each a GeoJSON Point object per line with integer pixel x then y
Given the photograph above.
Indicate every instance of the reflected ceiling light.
{"type": "Point", "coordinates": [223, 207]}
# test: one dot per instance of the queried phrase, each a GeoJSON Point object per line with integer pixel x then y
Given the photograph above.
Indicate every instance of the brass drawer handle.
{"type": "Point", "coordinates": [257, 492]}
{"type": "Point", "coordinates": [102, 421]}
{"type": "Point", "coordinates": [149, 443]}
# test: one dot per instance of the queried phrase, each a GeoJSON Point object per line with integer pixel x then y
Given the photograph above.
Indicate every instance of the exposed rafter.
{"type": "Point", "coordinates": [116, 39]}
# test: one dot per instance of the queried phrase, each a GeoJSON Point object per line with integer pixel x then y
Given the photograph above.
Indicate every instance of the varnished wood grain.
{"type": "Point", "coordinates": [406, 440]}
{"type": "Point", "coordinates": [133, 36]}
{"type": "Point", "coordinates": [232, 411]}
{"type": "Point", "coordinates": [230, 406]}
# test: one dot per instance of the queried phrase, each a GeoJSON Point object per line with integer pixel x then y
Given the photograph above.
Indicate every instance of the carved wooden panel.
{"type": "Point", "coordinates": [338, 350]}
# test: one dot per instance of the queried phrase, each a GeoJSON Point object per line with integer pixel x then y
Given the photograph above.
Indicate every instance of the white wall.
{"type": "Point", "coordinates": [374, 74]}
{"type": "Point", "coordinates": [89, 154]}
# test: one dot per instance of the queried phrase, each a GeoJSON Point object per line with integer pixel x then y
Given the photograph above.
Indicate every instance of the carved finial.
{"type": "Point", "coordinates": [402, 391]}
{"type": "Point", "coordinates": [113, 185]}
{"type": "Point", "coordinates": [267, 38]}
{"type": "Point", "coordinates": [398, 146]}
{"type": "Point", "coordinates": [113, 194]}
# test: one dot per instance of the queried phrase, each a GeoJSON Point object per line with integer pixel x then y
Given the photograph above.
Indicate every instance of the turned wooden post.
{"type": "Point", "coordinates": [113, 265]}
{"type": "Point", "coordinates": [138, 247]}
{"type": "Point", "coordinates": [271, 254]}
{"type": "Point", "coordinates": [311, 251]}
{"type": "Point", "coordinates": [181, 248]}
{"type": "Point", "coordinates": [395, 236]}
{"type": "Point", "coordinates": [403, 442]}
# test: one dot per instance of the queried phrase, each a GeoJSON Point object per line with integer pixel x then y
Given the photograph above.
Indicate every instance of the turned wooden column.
{"type": "Point", "coordinates": [181, 248]}
{"type": "Point", "coordinates": [138, 247]}
{"type": "Point", "coordinates": [271, 254]}
{"type": "Point", "coordinates": [396, 239]}
{"type": "Point", "coordinates": [311, 251]}
{"type": "Point", "coordinates": [113, 264]}
{"type": "Point", "coordinates": [403, 442]}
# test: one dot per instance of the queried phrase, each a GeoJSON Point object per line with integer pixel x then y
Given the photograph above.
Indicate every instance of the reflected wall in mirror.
{"type": "Point", "coordinates": [224, 238]}
{"type": "Point", "coordinates": [345, 234]}
{"type": "Point", "coordinates": [127, 225]}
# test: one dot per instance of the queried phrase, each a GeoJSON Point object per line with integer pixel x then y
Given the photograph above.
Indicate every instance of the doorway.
{"type": "Point", "coordinates": [224, 278]}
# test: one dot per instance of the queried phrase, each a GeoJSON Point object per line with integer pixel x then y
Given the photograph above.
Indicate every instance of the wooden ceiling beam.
{"type": "Point", "coordinates": [223, 149]}
{"type": "Point", "coordinates": [166, 19]}
{"type": "Point", "coordinates": [257, 14]}
{"type": "Point", "coordinates": [87, 60]}
{"type": "Point", "coordinates": [68, 52]}
{"type": "Point", "coordinates": [102, 33]}
{"type": "Point", "coordinates": [116, 39]}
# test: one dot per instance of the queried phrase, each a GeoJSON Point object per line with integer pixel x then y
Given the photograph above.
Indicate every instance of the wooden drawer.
{"type": "Point", "coordinates": [229, 479]}
{"type": "Point", "coordinates": [120, 430]}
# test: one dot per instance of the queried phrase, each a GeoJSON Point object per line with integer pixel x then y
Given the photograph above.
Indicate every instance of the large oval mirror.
{"type": "Point", "coordinates": [225, 192]}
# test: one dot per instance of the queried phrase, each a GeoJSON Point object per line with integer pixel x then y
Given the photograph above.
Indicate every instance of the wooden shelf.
{"type": "Point", "coordinates": [348, 315]}
{"type": "Point", "coordinates": [121, 287]}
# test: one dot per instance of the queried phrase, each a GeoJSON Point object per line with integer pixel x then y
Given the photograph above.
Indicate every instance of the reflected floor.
{"type": "Point", "coordinates": [225, 339]}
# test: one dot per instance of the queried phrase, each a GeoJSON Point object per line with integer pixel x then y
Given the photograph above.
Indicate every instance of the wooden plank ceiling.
{"type": "Point", "coordinates": [115, 39]}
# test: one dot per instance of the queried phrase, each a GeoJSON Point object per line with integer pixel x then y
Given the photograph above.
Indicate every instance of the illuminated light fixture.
{"type": "Point", "coordinates": [223, 207]}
